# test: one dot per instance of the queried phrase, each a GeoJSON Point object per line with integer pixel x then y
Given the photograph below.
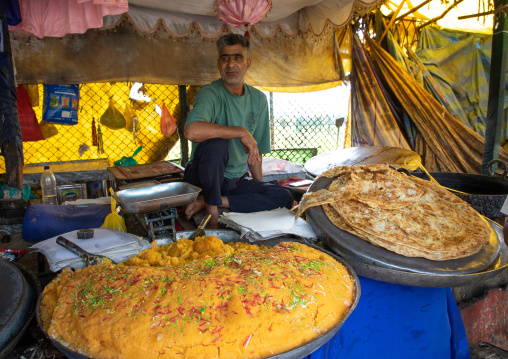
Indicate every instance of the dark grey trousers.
{"type": "Point", "coordinates": [244, 194]}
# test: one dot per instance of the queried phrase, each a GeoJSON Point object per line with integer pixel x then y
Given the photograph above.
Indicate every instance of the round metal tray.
{"type": "Point", "coordinates": [20, 311]}
{"type": "Point", "coordinates": [378, 263]}
{"type": "Point", "coordinates": [231, 236]}
{"type": "Point", "coordinates": [394, 276]}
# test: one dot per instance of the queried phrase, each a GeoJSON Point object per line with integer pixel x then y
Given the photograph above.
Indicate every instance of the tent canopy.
{"type": "Point", "coordinates": [173, 42]}
{"type": "Point", "coordinates": [296, 45]}
{"type": "Point", "coordinates": [76, 16]}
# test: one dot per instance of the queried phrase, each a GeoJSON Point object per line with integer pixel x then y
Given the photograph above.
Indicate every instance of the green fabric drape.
{"type": "Point", "coordinates": [456, 65]}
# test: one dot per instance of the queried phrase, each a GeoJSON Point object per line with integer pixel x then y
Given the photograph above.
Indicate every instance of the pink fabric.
{"type": "Point", "coordinates": [56, 18]}
{"type": "Point", "coordinates": [239, 13]}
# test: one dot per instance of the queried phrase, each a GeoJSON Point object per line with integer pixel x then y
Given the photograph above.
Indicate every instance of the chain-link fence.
{"type": "Point", "coordinates": [76, 142]}
{"type": "Point", "coordinates": [303, 125]}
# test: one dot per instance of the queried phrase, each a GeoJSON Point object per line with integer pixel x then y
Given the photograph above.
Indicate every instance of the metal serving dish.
{"type": "Point", "coordinates": [231, 236]}
{"type": "Point", "coordinates": [18, 304]}
{"type": "Point", "coordinates": [486, 194]}
{"type": "Point", "coordinates": [156, 197]}
{"type": "Point", "coordinates": [372, 271]}
{"type": "Point", "coordinates": [378, 263]}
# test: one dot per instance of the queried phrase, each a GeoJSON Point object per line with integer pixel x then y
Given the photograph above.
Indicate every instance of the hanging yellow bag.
{"type": "Point", "coordinates": [48, 129]}
{"type": "Point", "coordinates": [114, 220]}
{"type": "Point", "coordinates": [129, 114]}
{"type": "Point", "coordinates": [33, 93]}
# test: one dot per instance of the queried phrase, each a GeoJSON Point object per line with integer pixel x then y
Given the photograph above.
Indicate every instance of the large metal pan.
{"type": "Point", "coordinates": [380, 264]}
{"type": "Point", "coordinates": [486, 194]}
{"type": "Point", "coordinates": [231, 236]}
{"type": "Point", "coordinates": [17, 315]}
{"type": "Point", "coordinates": [372, 271]}
{"type": "Point", "coordinates": [156, 197]}
{"type": "Point", "coordinates": [359, 249]}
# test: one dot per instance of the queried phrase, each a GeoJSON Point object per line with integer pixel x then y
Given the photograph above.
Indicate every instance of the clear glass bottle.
{"type": "Point", "coordinates": [48, 186]}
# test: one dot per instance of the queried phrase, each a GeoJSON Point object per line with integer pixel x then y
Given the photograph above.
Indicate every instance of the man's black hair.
{"type": "Point", "coordinates": [231, 39]}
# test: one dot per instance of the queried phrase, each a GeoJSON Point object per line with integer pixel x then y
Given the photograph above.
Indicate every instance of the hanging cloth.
{"type": "Point", "coordinates": [373, 123]}
{"type": "Point", "coordinates": [240, 13]}
{"type": "Point", "coordinates": [56, 18]}
{"type": "Point", "coordinates": [444, 142]}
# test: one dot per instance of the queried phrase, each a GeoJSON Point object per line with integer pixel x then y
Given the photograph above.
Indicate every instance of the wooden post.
{"type": "Point", "coordinates": [13, 164]}
{"type": "Point", "coordinates": [11, 143]}
{"type": "Point", "coordinates": [272, 122]}
{"type": "Point", "coordinates": [184, 108]}
{"type": "Point", "coordinates": [497, 83]}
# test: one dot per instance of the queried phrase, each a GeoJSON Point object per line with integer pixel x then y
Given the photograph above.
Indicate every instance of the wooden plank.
{"type": "Point", "coordinates": [148, 170]}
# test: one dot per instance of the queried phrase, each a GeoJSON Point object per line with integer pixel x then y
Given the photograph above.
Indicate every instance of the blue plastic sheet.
{"type": "Point", "coordinates": [396, 321]}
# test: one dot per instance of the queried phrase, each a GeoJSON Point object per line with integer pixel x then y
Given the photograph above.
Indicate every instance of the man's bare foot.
{"type": "Point", "coordinates": [194, 207]}
{"type": "Point", "coordinates": [213, 211]}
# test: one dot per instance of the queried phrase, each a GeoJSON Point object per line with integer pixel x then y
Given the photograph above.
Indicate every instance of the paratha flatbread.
{"type": "Point", "coordinates": [388, 191]}
{"type": "Point", "coordinates": [313, 199]}
{"type": "Point", "coordinates": [406, 215]}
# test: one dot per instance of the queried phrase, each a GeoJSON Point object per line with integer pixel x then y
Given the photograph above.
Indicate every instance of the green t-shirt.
{"type": "Point", "coordinates": [214, 103]}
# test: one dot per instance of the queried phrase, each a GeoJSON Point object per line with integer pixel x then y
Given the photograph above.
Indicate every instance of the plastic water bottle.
{"type": "Point", "coordinates": [48, 186]}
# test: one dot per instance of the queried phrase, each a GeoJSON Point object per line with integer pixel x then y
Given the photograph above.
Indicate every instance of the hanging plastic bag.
{"type": "Point", "coordinates": [48, 129]}
{"type": "Point", "coordinates": [114, 220]}
{"type": "Point", "coordinates": [128, 161]}
{"type": "Point", "coordinates": [60, 104]}
{"type": "Point", "coordinates": [129, 114]}
{"type": "Point", "coordinates": [168, 122]}
{"type": "Point", "coordinates": [30, 130]}
{"type": "Point", "coordinates": [112, 117]}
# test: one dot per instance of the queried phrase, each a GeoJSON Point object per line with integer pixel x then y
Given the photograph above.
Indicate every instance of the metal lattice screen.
{"type": "Point", "coordinates": [303, 125]}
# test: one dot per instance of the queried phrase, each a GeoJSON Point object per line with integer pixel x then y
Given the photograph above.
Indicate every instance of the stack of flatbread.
{"type": "Point", "coordinates": [404, 214]}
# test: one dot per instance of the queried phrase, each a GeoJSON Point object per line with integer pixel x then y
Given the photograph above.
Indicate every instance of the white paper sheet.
{"type": "Point", "coordinates": [116, 245]}
{"type": "Point", "coordinates": [264, 225]}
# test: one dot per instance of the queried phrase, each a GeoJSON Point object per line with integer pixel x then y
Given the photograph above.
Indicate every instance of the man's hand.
{"type": "Point", "coordinates": [201, 131]}
{"type": "Point", "coordinates": [250, 146]}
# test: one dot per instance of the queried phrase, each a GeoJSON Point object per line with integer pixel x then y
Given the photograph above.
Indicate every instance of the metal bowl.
{"type": "Point", "coordinates": [231, 236]}
{"type": "Point", "coordinates": [156, 197]}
